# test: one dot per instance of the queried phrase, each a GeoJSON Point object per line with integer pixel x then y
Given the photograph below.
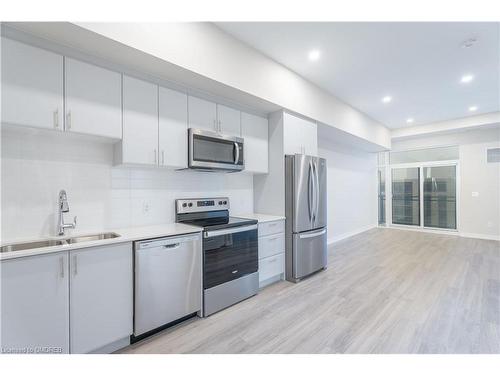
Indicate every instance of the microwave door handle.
{"type": "Point", "coordinates": [237, 157]}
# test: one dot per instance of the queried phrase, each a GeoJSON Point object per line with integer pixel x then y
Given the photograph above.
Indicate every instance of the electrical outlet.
{"type": "Point", "coordinates": [490, 224]}
{"type": "Point", "coordinates": [146, 207]}
{"type": "Point", "coordinates": [475, 194]}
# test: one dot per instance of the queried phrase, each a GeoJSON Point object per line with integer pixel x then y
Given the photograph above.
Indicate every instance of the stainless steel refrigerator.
{"type": "Point", "coordinates": [306, 216]}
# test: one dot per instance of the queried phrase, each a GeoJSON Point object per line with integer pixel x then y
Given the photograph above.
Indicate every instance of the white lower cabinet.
{"type": "Point", "coordinates": [271, 252]}
{"type": "Point", "coordinates": [34, 302]}
{"type": "Point", "coordinates": [79, 301]}
{"type": "Point", "coordinates": [101, 290]}
{"type": "Point", "coordinates": [270, 269]}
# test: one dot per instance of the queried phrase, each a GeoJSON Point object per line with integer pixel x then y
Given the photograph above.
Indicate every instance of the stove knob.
{"type": "Point", "coordinates": [190, 205]}
{"type": "Point", "coordinates": [184, 205]}
{"type": "Point", "coordinates": [220, 202]}
{"type": "Point", "coordinates": [225, 202]}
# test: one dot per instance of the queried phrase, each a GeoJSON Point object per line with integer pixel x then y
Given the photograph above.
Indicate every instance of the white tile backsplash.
{"type": "Point", "coordinates": [35, 166]}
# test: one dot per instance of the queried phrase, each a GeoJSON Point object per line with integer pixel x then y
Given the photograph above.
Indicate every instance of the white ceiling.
{"type": "Point", "coordinates": [418, 64]}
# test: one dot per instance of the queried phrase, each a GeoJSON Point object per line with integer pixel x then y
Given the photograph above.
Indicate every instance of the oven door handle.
{"type": "Point", "coordinates": [222, 232]}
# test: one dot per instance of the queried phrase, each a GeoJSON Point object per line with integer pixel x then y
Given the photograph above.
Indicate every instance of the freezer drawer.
{"type": "Point", "coordinates": [309, 253]}
{"type": "Point", "coordinates": [168, 281]}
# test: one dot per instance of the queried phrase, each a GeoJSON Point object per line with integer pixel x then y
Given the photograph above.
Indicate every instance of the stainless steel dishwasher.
{"type": "Point", "coordinates": [168, 281]}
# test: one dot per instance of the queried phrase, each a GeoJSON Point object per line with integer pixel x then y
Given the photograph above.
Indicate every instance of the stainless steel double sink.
{"type": "Point", "coordinates": [57, 242]}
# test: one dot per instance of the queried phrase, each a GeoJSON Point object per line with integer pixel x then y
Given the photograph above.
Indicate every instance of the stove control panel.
{"type": "Point", "coordinates": [201, 205]}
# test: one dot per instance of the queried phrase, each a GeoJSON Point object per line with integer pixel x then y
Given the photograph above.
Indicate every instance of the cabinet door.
{"type": "Point", "coordinates": [254, 130]}
{"type": "Point", "coordinates": [32, 86]}
{"type": "Point", "coordinates": [140, 122]}
{"type": "Point", "coordinates": [310, 138]}
{"type": "Point", "coordinates": [300, 136]}
{"type": "Point", "coordinates": [229, 120]}
{"type": "Point", "coordinates": [93, 100]}
{"type": "Point", "coordinates": [35, 302]}
{"type": "Point", "coordinates": [173, 135]}
{"type": "Point", "coordinates": [101, 288]}
{"type": "Point", "coordinates": [293, 128]}
{"type": "Point", "coordinates": [202, 114]}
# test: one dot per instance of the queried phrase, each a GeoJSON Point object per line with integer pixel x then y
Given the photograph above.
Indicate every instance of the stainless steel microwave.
{"type": "Point", "coordinates": [211, 151]}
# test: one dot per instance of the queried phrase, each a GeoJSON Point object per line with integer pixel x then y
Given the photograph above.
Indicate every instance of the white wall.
{"type": "Point", "coordinates": [352, 190]}
{"type": "Point", "coordinates": [35, 167]}
{"type": "Point", "coordinates": [478, 216]}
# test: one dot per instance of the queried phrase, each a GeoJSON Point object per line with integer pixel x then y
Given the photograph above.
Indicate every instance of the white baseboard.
{"type": "Point", "coordinates": [350, 234]}
{"type": "Point", "coordinates": [447, 232]}
{"type": "Point", "coordinates": [480, 236]}
{"type": "Point", "coordinates": [423, 230]}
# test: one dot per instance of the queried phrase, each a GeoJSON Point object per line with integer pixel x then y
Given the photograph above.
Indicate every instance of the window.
{"type": "Point", "coordinates": [424, 155]}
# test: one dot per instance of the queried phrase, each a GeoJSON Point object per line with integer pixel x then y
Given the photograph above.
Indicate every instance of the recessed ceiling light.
{"type": "Point", "coordinates": [410, 120]}
{"type": "Point", "coordinates": [467, 78]}
{"type": "Point", "coordinates": [314, 55]}
{"type": "Point", "coordinates": [387, 99]}
{"type": "Point", "coordinates": [473, 108]}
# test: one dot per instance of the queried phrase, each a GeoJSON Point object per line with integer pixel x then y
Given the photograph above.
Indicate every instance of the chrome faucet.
{"type": "Point", "coordinates": [64, 207]}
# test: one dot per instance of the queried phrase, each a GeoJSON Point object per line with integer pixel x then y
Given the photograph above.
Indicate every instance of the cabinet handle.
{"type": "Point", "coordinates": [75, 265]}
{"type": "Point", "coordinates": [156, 159]}
{"type": "Point", "coordinates": [162, 157]}
{"type": "Point", "coordinates": [61, 267]}
{"type": "Point", "coordinates": [68, 120]}
{"type": "Point", "coordinates": [56, 119]}
{"type": "Point", "coordinates": [220, 126]}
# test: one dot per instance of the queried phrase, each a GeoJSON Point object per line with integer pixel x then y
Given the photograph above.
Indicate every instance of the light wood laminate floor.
{"type": "Point", "coordinates": [385, 291]}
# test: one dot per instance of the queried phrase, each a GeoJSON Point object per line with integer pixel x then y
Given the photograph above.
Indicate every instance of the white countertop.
{"type": "Point", "coordinates": [261, 218]}
{"type": "Point", "coordinates": [126, 235]}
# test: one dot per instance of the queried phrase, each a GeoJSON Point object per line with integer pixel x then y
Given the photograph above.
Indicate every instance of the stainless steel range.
{"type": "Point", "coordinates": [230, 251]}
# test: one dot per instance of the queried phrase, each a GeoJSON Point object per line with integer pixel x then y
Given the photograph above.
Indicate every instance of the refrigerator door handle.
{"type": "Point", "coordinates": [315, 234]}
{"type": "Point", "coordinates": [310, 191]}
{"type": "Point", "coordinates": [316, 190]}
{"type": "Point", "coordinates": [315, 198]}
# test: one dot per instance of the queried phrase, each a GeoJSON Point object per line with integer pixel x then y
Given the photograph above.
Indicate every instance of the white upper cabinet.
{"type": "Point", "coordinates": [35, 302]}
{"type": "Point", "coordinates": [172, 131]}
{"type": "Point", "coordinates": [101, 289]}
{"type": "Point", "coordinates": [202, 114]}
{"type": "Point", "coordinates": [140, 122]}
{"type": "Point", "coordinates": [300, 136]}
{"type": "Point", "coordinates": [93, 100]}
{"type": "Point", "coordinates": [32, 86]}
{"type": "Point", "coordinates": [254, 131]}
{"type": "Point", "coordinates": [228, 120]}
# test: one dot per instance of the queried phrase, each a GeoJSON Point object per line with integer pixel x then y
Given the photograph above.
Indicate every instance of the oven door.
{"type": "Point", "coordinates": [212, 151]}
{"type": "Point", "coordinates": [229, 254]}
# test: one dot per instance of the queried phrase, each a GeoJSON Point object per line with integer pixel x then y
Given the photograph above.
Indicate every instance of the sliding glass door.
{"type": "Point", "coordinates": [440, 197]}
{"type": "Point", "coordinates": [425, 191]}
{"type": "Point", "coordinates": [406, 196]}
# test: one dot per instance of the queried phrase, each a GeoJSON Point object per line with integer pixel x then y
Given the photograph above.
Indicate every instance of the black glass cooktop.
{"type": "Point", "coordinates": [214, 220]}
